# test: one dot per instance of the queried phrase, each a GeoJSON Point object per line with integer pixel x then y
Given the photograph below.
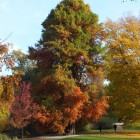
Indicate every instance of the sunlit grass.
{"type": "Point", "coordinates": [108, 135]}
{"type": "Point", "coordinates": [105, 137]}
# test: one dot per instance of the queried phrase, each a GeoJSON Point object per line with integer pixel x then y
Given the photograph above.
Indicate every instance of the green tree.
{"type": "Point", "coordinates": [124, 68]}
{"type": "Point", "coordinates": [22, 63]}
{"type": "Point", "coordinates": [68, 57]}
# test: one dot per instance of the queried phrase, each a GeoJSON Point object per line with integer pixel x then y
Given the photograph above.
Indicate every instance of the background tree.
{"type": "Point", "coordinates": [124, 68]}
{"type": "Point", "coordinates": [7, 85]}
{"type": "Point", "coordinates": [22, 64]}
{"type": "Point", "coordinates": [5, 59]}
{"type": "Point", "coordinates": [70, 71]}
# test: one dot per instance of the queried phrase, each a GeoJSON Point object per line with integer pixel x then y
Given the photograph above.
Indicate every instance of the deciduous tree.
{"type": "Point", "coordinates": [21, 62]}
{"type": "Point", "coordinates": [23, 108]}
{"type": "Point", "coordinates": [5, 59]}
{"type": "Point", "coordinates": [124, 68]}
{"type": "Point", "coordinates": [7, 85]}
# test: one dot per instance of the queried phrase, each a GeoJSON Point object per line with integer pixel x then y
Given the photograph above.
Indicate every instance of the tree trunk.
{"type": "Point", "coordinates": [72, 128]}
{"type": "Point", "coordinates": [22, 133]}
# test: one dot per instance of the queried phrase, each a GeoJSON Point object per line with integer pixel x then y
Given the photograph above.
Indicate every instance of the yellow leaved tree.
{"type": "Point", "coordinates": [7, 86]}
{"type": "Point", "coordinates": [123, 65]}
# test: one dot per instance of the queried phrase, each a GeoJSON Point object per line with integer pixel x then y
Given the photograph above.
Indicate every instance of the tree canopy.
{"type": "Point", "coordinates": [22, 108]}
{"type": "Point", "coordinates": [7, 85]}
{"type": "Point", "coordinates": [124, 68]}
{"type": "Point", "coordinates": [67, 68]}
{"type": "Point", "coordinates": [70, 71]}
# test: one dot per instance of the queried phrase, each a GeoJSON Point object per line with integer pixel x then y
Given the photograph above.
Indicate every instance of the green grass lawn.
{"type": "Point", "coordinates": [108, 135]}
{"type": "Point", "coordinates": [103, 137]}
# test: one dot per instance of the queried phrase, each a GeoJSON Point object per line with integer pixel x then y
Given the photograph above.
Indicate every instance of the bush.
{"type": "Point", "coordinates": [4, 122]}
{"type": "Point", "coordinates": [4, 137]}
{"type": "Point", "coordinates": [105, 122]}
{"type": "Point", "coordinates": [83, 125]}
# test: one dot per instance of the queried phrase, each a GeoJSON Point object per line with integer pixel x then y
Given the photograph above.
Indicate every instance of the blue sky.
{"type": "Point", "coordinates": [24, 17]}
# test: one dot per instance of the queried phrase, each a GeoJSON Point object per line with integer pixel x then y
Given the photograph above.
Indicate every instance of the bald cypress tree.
{"type": "Point", "coordinates": [70, 83]}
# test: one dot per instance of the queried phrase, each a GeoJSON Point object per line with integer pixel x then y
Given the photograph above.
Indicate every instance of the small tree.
{"type": "Point", "coordinates": [23, 108]}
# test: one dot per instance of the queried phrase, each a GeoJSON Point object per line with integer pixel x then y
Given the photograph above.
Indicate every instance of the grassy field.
{"type": "Point", "coordinates": [109, 135]}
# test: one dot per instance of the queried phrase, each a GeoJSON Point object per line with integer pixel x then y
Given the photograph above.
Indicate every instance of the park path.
{"type": "Point", "coordinates": [50, 137]}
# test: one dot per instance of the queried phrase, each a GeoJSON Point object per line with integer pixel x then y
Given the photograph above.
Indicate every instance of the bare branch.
{"type": "Point", "coordinates": [6, 38]}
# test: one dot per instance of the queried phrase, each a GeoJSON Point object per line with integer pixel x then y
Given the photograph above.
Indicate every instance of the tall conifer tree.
{"type": "Point", "coordinates": [70, 68]}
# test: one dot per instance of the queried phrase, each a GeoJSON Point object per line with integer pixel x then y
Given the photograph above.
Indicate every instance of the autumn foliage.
{"type": "Point", "coordinates": [69, 83]}
{"type": "Point", "coordinates": [124, 68]}
{"type": "Point", "coordinates": [8, 84]}
{"type": "Point", "coordinates": [23, 108]}
{"type": "Point", "coordinates": [67, 68]}
{"type": "Point", "coordinates": [5, 59]}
